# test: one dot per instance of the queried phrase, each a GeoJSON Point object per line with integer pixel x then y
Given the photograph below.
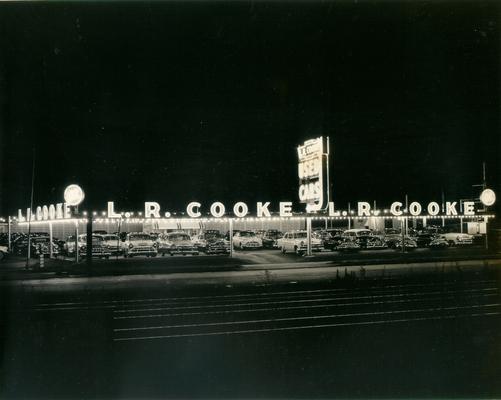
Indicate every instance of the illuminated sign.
{"type": "Point", "coordinates": [45, 213]}
{"type": "Point", "coordinates": [488, 197]}
{"type": "Point", "coordinates": [240, 209]}
{"type": "Point", "coordinates": [313, 174]}
{"type": "Point", "coordinates": [73, 195]}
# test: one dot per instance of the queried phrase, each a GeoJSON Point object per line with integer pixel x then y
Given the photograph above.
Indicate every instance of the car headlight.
{"type": "Point", "coordinates": [131, 245]}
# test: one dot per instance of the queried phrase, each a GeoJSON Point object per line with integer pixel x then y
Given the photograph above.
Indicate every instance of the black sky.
{"type": "Point", "coordinates": [206, 101]}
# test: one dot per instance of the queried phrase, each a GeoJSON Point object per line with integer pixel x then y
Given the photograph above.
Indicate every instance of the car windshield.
{"type": "Point", "coordinates": [140, 237]}
{"type": "Point", "coordinates": [111, 238]}
{"type": "Point", "coordinates": [300, 235]}
{"type": "Point", "coordinates": [247, 233]}
{"type": "Point", "coordinates": [179, 236]}
{"type": "Point", "coordinates": [274, 234]}
{"type": "Point", "coordinates": [40, 239]}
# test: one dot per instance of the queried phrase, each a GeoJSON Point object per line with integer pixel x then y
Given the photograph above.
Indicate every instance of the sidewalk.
{"type": "Point", "coordinates": [14, 269]}
{"type": "Point", "coordinates": [246, 274]}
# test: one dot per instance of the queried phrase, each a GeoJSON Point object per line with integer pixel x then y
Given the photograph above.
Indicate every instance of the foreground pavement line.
{"type": "Point", "coordinates": [309, 317]}
{"type": "Point", "coordinates": [353, 295]}
{"type": "Point", "coordinates": [300, 301]}
{"type": "Point", "coordinates": [293, 328]}
{"type": "Point", "coordinates": [251, 310]}
{"type": "Point", "coordinates": [152, 299]}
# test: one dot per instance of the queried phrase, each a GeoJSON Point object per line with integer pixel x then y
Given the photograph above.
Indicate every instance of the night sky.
{"type": "Point", "coordinates": [174, 102]}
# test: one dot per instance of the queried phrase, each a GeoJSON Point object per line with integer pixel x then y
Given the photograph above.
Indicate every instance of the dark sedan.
{"type": "Point", "coordinates": [270, 238]}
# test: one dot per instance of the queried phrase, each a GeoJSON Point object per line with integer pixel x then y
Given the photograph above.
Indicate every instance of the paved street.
{"type": "Point", "coordinates": [426, 335]}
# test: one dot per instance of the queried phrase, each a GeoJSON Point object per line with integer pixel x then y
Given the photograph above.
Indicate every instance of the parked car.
{"type": "Point", "coordinates": [38, 245]}
{"type": "Point", "coordinates": [138, 244]}
{"type": "Point", "coordinates": [423, 239]}
{"type": "Point", "coordinates": [391, 237]}
{"type": "Point", "coordinates": [211, 242]}
{"type": "Point", "coordinates": [372, 242]}
{"type": "Point", "coordinates": [457, 239]}
{"type": "Point", "coordinates": [176, 243]}
{"type": "Point", "coordinates": [4, 250]}
{"type": "Point", "coordinates": [347, 245]}
{"type": "Point", "coordinates": [260, 233]}
{"type": "Point", "coordinates": [356, 233]}
{"type": "Point", "coordinates": [112, 243]}
{"type": "Point", "coordinates": [407, 242]}
{"type": "Point", "coordinates": [330, 237]}
{"type": "Point", "coordinates": [438, 242]}
{"type": "Point", "coordinates": [247, 240]}
{"type": "Point", "coordinates": [270, 238]}
{"type": "Point", "coordinates": [296, 241]}
{"type": "Point", "coordinates": [98, 248]}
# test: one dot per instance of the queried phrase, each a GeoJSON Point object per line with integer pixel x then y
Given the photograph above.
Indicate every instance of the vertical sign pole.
{"type": "Point", "coordinates": [118, 236]}
{"type": "Point", "coordinates": [31, 211]}
{"type": "Point", "coordinates": [308, 235]}
{"type": "Point", "coordinates": [51, 251]}
{"type": "Point", "coordinates": [349, 217]}
{"type": "Point", "coordinates": [486, 231]}
{"type": "Point", "coordinates": [76, 241]}
{"type": "Point", "coordinates": [89, 243]}
{"type": "Point", "coordinates": [327, 173]}
{"type": "Point", "coordinates": [402, 228]}
{"type": "Point", "coordinates": [230, 222]}
{"type": "Point", "coordinates": [9, 234]}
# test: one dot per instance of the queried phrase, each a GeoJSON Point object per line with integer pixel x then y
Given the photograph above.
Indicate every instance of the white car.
{"type": "Point", "coordinates": [176, 243]}
{"type": "Point", "coordinates": [247, 240]}
{"type": "Point", "coordinates": [139, 244]}
{"type": "Point", "coordinates": [98, 249]}
{"type": "Point", "coordinates": [297, 241]}
{"type": "Point", "coordinates": [457, 239]}
{"type": "Point", "coordinates": [112, 243]}
{"type": "Point", "coordinates": [3, 252]}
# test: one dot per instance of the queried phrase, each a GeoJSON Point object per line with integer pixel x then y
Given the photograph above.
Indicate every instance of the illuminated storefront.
{"type": "Point", "coordinates": [62, 220]}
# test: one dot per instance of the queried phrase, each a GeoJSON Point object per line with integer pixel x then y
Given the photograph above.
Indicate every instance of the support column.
{"type": "Point", "coordinates": [308, 236]}
{"type": "Point", "coordinates": [9, 233]}
{"type": "Point", "coordinates": [230, 230]}
{"type": "Point", "coordinates": [51, 251]}
{"type": "Point", "coordinates": [76, 241]}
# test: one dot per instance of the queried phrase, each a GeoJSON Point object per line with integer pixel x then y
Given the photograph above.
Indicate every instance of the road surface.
{"type": "Point", "coordinates": [435, 335]}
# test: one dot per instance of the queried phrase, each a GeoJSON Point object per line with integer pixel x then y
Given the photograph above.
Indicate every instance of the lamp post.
{"type": "Point", "coordinates": [28, 254]}
{"type": "Point", "coordinates": [73, 196]}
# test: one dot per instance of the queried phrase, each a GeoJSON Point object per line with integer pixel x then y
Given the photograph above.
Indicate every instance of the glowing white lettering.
{"type": "Point", "coordinates": [451, 208]}
{"type": "Point", "coordinates": [395, 208]}
{"type": "Point", "coordinates": [151, 209]}
{"type": "Point", "coordinates": [240, 209]}
{"type": "Point", "coordinates": [111, 210]}
{"type": "Point", "coordinates": [468, 208]}
{"type": "Point", "coordinates": [364, 209]}
{"type": "Point", "coordinates": [190, 209]}
{"type": "Point", "coordinates": [286, 208]}
{"type": "Point", "coordinates": [262, 209]}
{"type": "Point", "coordinates": [217, 209]}
{"type": "Point", "coordinates": [415, 208]}
{"type": "Point", "coordinates": [433, 208]}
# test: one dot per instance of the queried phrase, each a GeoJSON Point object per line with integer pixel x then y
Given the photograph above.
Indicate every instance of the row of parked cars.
{"type": "Point", "coordinates": [131, 244]}
{"type": "Point", "coordinates": [351, 239]}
